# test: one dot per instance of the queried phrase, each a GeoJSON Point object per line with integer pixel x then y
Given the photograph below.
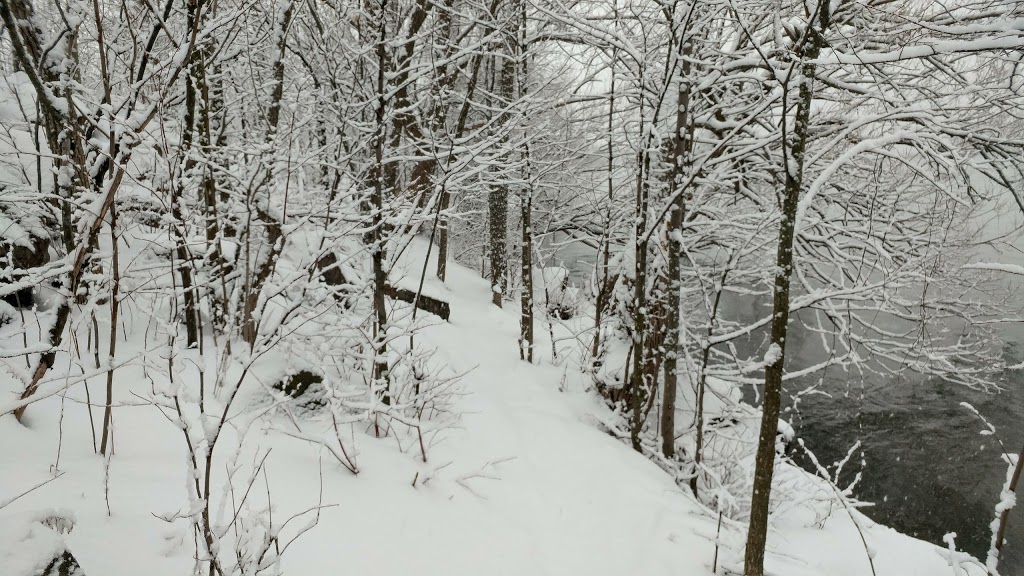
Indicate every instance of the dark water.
{"type": "Point", "coordinates": [923, 462]}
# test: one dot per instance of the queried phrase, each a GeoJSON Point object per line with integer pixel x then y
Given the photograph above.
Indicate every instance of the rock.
{"type": "Point", "coordinates": [297, 384]}
{"type": "Point", "coordinates": [23, 298]}
{"type": "Point", "coordinates": [63, 565]}
{"type": "Point", "coordinates": [304, 386]}
{"type": "Point", "coordinates": [332, 273]}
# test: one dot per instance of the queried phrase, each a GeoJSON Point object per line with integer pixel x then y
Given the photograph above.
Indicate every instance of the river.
{"type": "Point", "coordinates": [927, 468]}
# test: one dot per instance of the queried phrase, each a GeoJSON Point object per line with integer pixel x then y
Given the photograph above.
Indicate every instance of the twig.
{"type": "Point", "coordinates": [9, 501]}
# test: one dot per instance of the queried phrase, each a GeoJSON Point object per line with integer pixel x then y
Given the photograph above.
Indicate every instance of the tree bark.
{"type": "Point", "coordinates": [638, 384]}
{"type": "Point", "coordinates": [376, 238]}
{"type": "Point", "coordinates": [272, 227]}
{"type": "Point", "coordinates": [526, 320]}
{"type": "Point", "coordinates": [603, 288]}
{"type": "Point", "coordinates": [526, 340]}
{"type": "Point", "coordinates": [764, 466]}
{"type": "Point", "coordinates": [497, 218]}
{"type": "Point", "coordinates": [108, 433]}
{"type": "Point", "coordinates": [442, 238]}
{"type": "Point", "coordinates": [683, 138]}
{"type": "Point", "coordinates": [460, 129]}
{"type": "Point", "coordinates": [497, 201]}
{"type": "Point", "coordinates": [177, 188]}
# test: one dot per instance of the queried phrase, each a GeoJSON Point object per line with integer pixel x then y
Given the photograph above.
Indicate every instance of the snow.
{"type": "Point", "coordinates": [1009, 41]}
{"type": "Point", "coordinates": [527, 484]}
{"type": "Point", "coordinates": [773, 354]}
{"type": "Point", "coordinates": [1007, 500]}
{"type": "Point", "coordinates": [786, 431]}
{"type": "Point", "coordinates": [12, 233]}
{"type": "Point", "coordinates": [996, 266]}
{"type": "Point", "coordinates": [31, 545]}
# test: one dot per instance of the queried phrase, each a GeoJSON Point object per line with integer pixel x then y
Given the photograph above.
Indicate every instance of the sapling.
{"type": "Point", "coordinates": [1007, 494]}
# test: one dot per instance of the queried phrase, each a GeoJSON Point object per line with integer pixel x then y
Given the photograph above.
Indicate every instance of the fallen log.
{"type": "Point", "coordinates": [438, 308]}
{"type": "Point", "coordinates": [332, 275]}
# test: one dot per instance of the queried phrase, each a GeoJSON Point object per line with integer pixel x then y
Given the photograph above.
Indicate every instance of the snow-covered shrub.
{"type": "Point", "coordinates": [562, 300]}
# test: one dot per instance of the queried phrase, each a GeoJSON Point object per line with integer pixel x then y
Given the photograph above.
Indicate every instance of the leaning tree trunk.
{"type": "Point", "coordinates": [109, 169]}
{"type": "Point", "coordinates": [764, 466]}
{"type": "Point", "coordinates": [62, 132]}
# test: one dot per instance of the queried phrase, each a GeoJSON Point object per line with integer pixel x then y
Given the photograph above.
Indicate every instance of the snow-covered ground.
{"type": "Point", "coordinates": [528, 484]}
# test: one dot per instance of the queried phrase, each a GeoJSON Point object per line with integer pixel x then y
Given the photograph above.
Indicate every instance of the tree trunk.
{"type": "Point", "coordinates": [208, 188]}
{"type": "Point", "coordinates": [526, 264]}
{"type": "Point", "coordinates": [683, 138]}
{"type": "Point", "coordinates": [429, 304]}
{"type": "Point", "coordinates": [273, 229]}
{"type": "Point", "coordinates": [497, 201]}
{"type": "Point", "coordinates": [442, 239]}
{"type": "Point", "coordinates": [497, 219]}
{"type": "Point", "coordinates": [177, 188]}
{"type": "Point", "coordinates": [108, 433]}
{"type": "Point", "coordinates": [526, 320]}
{"type": "Point", "coordinates": [602, 285]}
{"type": "Point", "coordinates": [764, 466]}
{"type": "Point", "coordinates": [639, 386]}
{"type": "Point", "coordinates": [668, 405]}
{"type": "Point", "coordinates": [376, 236]}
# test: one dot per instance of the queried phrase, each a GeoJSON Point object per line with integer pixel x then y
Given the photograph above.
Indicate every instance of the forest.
{"type": "Point", "coordinates": [283, 272]}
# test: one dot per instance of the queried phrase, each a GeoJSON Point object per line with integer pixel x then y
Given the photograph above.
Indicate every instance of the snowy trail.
{"type": "Point", "coordinates": [581, 502]}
